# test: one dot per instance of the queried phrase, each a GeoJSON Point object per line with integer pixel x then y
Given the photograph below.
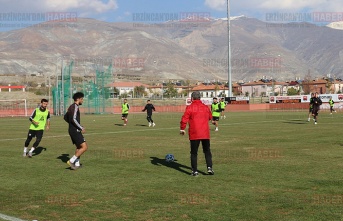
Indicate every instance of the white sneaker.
{"type": "Point", "coordinates": [224, 117]}
{"type": "Point", "coordinates": [330, 113]}
{"type": "Point", "coordinates": [315, 122]}
{"type": "Point", "coordinates": [216, 129]}
{"type": "Point", "coordinates": [210, 171]}
{"type": "Point", "coordinates": [149, 124]}
{"type": "Point", "coordinates": [24, 154]}
{"type": "Point", "coordinates": [194, 173]}
{"type": "Point", "coordinates": [308, 120]}
{"type": "Point", "coordinates": [153, 124]}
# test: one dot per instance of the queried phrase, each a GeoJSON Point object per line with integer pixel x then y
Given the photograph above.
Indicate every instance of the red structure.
{"type": "Point", "coordinates": [9, 87]}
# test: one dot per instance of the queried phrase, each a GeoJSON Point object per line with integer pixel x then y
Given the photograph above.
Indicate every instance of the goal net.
{"type": "Point", "coordinates": [14, 107]}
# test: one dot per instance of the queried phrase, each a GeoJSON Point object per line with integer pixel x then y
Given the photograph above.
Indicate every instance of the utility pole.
{"type": "Point", "coordinates": [229, 48]}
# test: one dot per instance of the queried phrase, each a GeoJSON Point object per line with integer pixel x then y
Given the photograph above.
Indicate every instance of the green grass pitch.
{"type": "Point", "coordinates": [268, 166]}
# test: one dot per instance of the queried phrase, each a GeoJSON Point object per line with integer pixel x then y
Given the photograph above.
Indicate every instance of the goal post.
{"type": "Point", "coordinates": [13, 107]}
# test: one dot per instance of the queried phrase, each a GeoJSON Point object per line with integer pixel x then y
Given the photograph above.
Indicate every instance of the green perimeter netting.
{"type": "Point", "coordinates": [97, 92]}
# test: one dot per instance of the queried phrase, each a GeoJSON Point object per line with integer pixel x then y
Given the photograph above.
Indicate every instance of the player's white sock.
{"type": "Point", "coordinates": [25, 149]}
{"type": "Point", "coordinates": [32, 149]}
{"type": "Point", "coordinates": [73, 159]}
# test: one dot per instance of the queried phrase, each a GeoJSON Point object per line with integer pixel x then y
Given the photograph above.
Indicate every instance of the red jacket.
{"type": "Point", "coordinates": [197, 116]}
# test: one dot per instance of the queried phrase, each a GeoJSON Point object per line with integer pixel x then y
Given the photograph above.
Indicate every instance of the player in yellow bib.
{"type": "Point", "coordinates": [40, 119]}
{"type": "Point", "coordinates": [215, 109]}
{"type": "Point", "coordinates": [331, 102]}
{"type": "Point", "coordinates": [125, 107]}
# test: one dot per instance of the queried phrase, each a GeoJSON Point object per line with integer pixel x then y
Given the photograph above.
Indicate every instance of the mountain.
{"type": "Point", "coordinates": [175, 50]}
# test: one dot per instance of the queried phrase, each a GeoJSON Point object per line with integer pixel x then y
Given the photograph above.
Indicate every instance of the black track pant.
{"type": "Point", "coordinates": [34, 133]}
{"type": "Point", "coordinates": [194, 153]}
{"type": "Point", "coordinates": [149, 119]}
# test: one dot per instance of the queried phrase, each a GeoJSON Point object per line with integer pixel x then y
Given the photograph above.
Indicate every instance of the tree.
{"type": "Point", "coordinates": [306, 83]}
{"type": "Point", "coordinates": [107, 93]}
{"type": "Point", "coordinates": [116, 91]}
{"type": "Point", "coordinates": [139, 91]}
{"type": "Point", "coordinates": [124, 95]}
{"type": "Point", "coordinates": [188, 84]}
{"type": "Point", "coordinates": [216, 88]}
{"type": "Point", "coordinates": [328, 85]}
{"type": "Point", "coordinates": [170, 91]}
{"type": "Point", "coordinates": [235, 93]}
{"type": "Point", "coordinates": [292, 91]}
{"type": "Point", "coordinates": [184, 93]}
{"type": "Point", "coordinates": [32, 84]}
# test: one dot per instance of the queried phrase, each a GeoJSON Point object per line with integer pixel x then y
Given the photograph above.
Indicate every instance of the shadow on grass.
{"type": "Point", "coordinates": [174, 165]}
{"type": "Point", "coordinates": [296, 121]}
{"type": "Point", "coordinates": [141, 125]}
{"type": "Point", "coordinates": [38, 151]}
{"type": "Point", "coordinates": [64, 158]}
{"type": "Point", "coordinates": [121, 125]}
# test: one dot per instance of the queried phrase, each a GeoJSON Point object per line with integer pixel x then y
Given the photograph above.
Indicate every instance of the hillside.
{"type": "Point", "coordinates": [175, 50]}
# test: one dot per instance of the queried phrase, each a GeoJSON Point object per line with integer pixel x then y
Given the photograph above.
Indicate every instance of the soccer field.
{"type": "Point", "coordinates": [268, 166]}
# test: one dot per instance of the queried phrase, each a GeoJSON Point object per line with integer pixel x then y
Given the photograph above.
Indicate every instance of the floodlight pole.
{"type": "Point", "coordinates": [62, 89]}
{"type": "Point", "coordinates": [229, 83]}
{"type": "Point", "coordinates": [49, 89]}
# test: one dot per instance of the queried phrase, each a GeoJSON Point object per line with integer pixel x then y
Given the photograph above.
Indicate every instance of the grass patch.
{"type": "Point", "coordinates": [268, 166]}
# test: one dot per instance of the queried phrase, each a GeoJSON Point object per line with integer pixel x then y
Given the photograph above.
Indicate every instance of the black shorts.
{"type": "Point", "coordinates": [315, 111]}
{"type": "Point", "coordinates": [76, 137]}
{"type": "Point", "coordinates": [124, 116]}
{"type": "Point", "coordinates": [35, 133]}
{"type": "Point", "coordinates": [222, 110]}
{"type": "Point", "coordinates": [215, 118]}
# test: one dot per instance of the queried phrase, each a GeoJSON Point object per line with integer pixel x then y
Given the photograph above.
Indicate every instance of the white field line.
{"type": "Point", "coordinates": [169, 128]}
{"type": "Point", "coordinates": [9, 218]}
{"type": "Point", "coordinates": [133, 131]}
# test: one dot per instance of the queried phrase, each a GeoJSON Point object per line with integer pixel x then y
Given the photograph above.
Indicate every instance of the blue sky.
{"type": "Point", "coordinates": [127, 7]}
{"type": "Point", "coordinates": [123, 10]}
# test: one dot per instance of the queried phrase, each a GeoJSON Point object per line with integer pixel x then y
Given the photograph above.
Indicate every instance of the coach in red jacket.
{"type": "Point", "coordinates": [197, 115]}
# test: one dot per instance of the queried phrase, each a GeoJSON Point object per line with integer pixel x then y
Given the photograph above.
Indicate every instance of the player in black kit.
{"type": "Point", "coordinates": [149, 108]}
{"type": "Point", "coordinates": [316, 102]}
{"type": "Point", "coordinates": [76, 130]}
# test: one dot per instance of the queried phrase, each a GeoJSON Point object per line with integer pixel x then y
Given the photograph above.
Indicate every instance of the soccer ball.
{"type": "Point", "coordinates": [170, 158]}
